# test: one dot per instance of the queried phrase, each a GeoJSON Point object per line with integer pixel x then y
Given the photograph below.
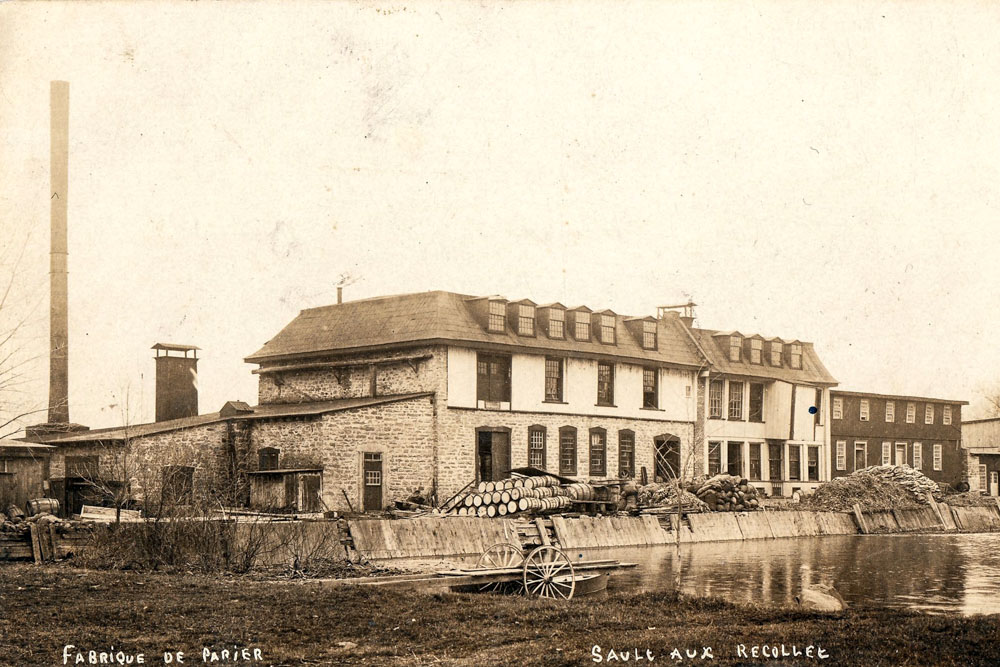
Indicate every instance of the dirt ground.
{"type": "Point", "coordinates": [45, 608]}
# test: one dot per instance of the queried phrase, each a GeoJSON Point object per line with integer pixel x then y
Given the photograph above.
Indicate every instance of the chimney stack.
{"type": "Point", "coordinates": [176, 381]}
{"type": "Point", "coordinates": [686, 312]}
{"type": "Point", "coordinates": [58, 275]}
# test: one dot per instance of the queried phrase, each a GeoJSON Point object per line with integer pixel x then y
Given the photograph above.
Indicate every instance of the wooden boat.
{"type": "Point", "coordinates": [588, 584]}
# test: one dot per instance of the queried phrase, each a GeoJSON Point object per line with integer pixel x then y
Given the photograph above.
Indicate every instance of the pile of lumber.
{"type": "Point", "coordinates": [876, 488]}
{"type": "Point", "coordinates": [664, 495]}
{"type": "Point", "coordinates": [727, 493]}
{"type": "Point", "coordinates": [523, 494]}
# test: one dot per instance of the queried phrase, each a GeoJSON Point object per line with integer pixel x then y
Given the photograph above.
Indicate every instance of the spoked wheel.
{"type": "Point", "coordinates": [548, 573]}
{"type": "Point", "coordinates": [501, 555]}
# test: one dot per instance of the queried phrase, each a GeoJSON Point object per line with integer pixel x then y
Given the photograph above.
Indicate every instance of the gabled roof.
{"type": "Point", "coordinates": [269, 411]}
{"type": "Point", "coordinates": [446, 317]}
{"type": "Point", "coordinates": [812, 372]}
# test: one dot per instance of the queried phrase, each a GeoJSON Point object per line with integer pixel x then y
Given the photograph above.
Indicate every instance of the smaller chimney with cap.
{"type": "Point", "coordinates": [686, 312]}
{"type": "Point", "coordinates": [176, 381]}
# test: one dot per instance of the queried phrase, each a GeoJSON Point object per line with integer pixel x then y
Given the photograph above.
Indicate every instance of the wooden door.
{"type": "Point", "coordinates": [309, 487]}
{"type": "Point", "coordinates": [291, 491]}
{"type": "Point", "coordinates": [501, 455]}
{"type": "Point", "coordinates": [372, 482]}
{"type": "Point", "coordinates": [994, 482]}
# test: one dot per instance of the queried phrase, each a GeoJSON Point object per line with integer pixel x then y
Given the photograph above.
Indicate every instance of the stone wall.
{"type": "Point", "coordinates": [355, 381]}
{"type": "Point", "coordinates": [458, 442]}
{"type": "Point", "coordinates": [403, 432]}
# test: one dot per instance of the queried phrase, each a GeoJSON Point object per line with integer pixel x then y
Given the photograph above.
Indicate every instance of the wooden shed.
{"type": "Point", "coordinates": [296, 489]}
{"type": "Point", "coordinates": [24, 471]}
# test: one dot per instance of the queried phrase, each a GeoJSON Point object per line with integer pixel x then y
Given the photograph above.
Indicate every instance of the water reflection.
{"type": "Point", "coordinates": [935, 573]}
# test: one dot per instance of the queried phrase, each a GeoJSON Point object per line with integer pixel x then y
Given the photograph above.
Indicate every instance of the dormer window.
{"type": "Point", "coordinates": [735, 348]}
{"type": "Point", "coordinates": [649, 335]}
{"type": "Point", "coordinates": [776, 353]}
{"type": "Point", "coordinates": [526, 320]}
{"type": "Point", "coordinates": [497, 316]}
{"type": "Point", "coordinates": [557, 323]}
{"type": "Point", "coordinates": [796, 356]}
{"type": "Point", "coordinates": [756, 348]}
{"type": "Point", "coordinates": [608, 329]}
{"type": "Point", "coordinates": [582, 328]}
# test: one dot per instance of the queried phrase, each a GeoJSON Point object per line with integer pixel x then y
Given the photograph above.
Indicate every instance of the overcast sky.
{"type": "Point", "coordinates": [821, 171]}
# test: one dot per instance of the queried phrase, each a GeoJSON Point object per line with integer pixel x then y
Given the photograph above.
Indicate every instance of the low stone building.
{"type": "Point", "coordinates": [981, 440]}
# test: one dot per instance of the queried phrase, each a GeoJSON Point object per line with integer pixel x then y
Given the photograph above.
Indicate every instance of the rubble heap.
{"type": "Point", "coordinates": [875, 488]}
{"type": "Point", "coordinates": [727, 493]}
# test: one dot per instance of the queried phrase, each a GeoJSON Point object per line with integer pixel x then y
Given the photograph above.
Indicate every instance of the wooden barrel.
{"type": "Point", "coordinates": [518, 483]}
{"type": "Point", "coordinates": [515, 493]}
{"type": "Point", "coordinates": [481, 511]}
{"type": "Point", "coordinates": [502, 510]}
{"type": "Point", "coordinates": [495, 498]}
{"type": "Point", "coordinates": [511, 506]}
{"type": "Point", "coordinates": [482, 487]}
{"type": "Point", "coordinates": [491, 511]}
{"type": "Point", "coordinates": [40, 505]}
{"type": "Point", "coordinates": [505, 497]}
{"type": "Point", "coordinates": [545, 492]}
{"type": "Point", "coordinates": [468, 501]}
{"type": "Point", "coordinates": [490, 486]}
{"type": "Point", "coordinates": [477, 500]}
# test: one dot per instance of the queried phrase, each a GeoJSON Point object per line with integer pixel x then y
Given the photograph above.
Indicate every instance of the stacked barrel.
{"type": "Point", "coordinates": [523, 494]}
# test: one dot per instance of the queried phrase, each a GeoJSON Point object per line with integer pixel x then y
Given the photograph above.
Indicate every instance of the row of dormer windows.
{"type": "Point", "coordinates": [864, 411]}
{"type": "Point", "coordinates": [754, 352]}
{"type": "Point", "coordinates": [585, 326]}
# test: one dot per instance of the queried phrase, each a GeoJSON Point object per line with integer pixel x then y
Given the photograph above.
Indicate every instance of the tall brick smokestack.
{"type": "Point", "coordinates": [59, 295]}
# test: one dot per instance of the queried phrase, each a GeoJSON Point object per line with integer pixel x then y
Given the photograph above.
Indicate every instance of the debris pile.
{"type": "Point", "coordinates": [664, 495]}
{"type": "Point", "coordinates": [876, 488]}
{"type": "Point", "coordinates": [727, 493]}
{"type": "Point", "coordinates": [13, 521]}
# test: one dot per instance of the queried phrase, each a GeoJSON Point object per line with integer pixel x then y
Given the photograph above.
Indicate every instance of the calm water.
{"type": "Point", "coordinates": [954, 574]}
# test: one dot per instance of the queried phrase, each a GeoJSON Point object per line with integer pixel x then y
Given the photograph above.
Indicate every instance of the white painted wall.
{"type": "Point", "coordinates": [676, 388]}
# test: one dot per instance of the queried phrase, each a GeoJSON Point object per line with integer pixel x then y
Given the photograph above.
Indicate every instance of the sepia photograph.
{"type": "Point", "coordinates": [499, 333]}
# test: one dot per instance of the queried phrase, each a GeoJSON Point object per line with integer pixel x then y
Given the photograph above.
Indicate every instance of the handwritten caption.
{"type": "Point", "coordinates": [72, 655]}
{"type": "Point", "coordinates": [755, 652]}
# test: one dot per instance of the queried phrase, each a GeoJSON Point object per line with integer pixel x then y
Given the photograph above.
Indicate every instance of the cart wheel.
{"type": "Point", "coordinates": [548, 573]}
{"type": "Point", "coordinates": [501, 555]}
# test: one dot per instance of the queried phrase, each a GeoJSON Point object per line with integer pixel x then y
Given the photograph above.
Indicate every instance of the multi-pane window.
{"type": "Point", "coordinates": [756, 347]}
{"type": "Point", "coordinates": [581, 330]}
{"type": "Point", "coordinates": [841, 455]}
{"type": "Point", "coordinates": [838, 408]}
{"type": "Point", "coordinates": [901, 453]}
{"type": "Point", "coordinates": [526, 319]}
{"type": "Point", "coordinates": [557, 322]}
{"type": "Point", "coordinates": [735, 400]}
{"type": "Point", "coordinates": [911, 413]}
{"type": "Point", "coordinates": [756, 402]}
{"type": "Point", "coordinates": [796, 355]}
{"type": "Point", "coordinates": [929, 413]}
{"type": "Point", "coordinates": [890, 411]}
{"type": "Point", "coordinates": [864, 410]}
{"type": "Point", "coordinates": [567, 450]}
{"type": "Point", "coordinates": [794, 462]}
{"type": "Point", "coordinates": [649, 335]}
{"type": "Point", "coordinates": [498, 313]}
{"type": "Point", "coordinates": [714, 458]}
{"type": "Point", "coordinates": [605, 383]}
{"type": "Point", "coordinates": [946, 415]}
{"type": "Point", "coordinates": [492, 378]}
{"type": "Point", "coordinates": [536, 446]}
{"type": "Point", "coordinates": [553, 379]}
{"type": "Point", "coordinates": [918, 455]}
{"type": "Point", "coordinates": [776, 353]}
{"type": "Point", "coordinates": [267, 458]}
{"type": "Point", "coordinates": [626, 453]}
{"type": "Point", "coordinates": [774, 462]}
{"type": "Point", "coordinates": [735, 348]}
{"type": "Point", "coordinates": [608, 329]}
{"type": "Point", "coordinates": [812, 464]}
{"type": "Point", "coordinates": [982, 477]}
{"type": "Point", "coordinates": [860, 455]}
{"type": "Point", "coordinates": [649, 387]}
{"type": "Point", "coordinates": [886, 453]}
{"type": "Point", "coordinates": [755, 468]}
{"type": "Point", "coordinates": [598, 452]}
{"type": "Point", "coordinates": [715, 390]}
{"type": "Point", "coordinates": [937, 457]}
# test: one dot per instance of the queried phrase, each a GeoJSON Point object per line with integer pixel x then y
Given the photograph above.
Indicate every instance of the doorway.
{"type": "Point", "coordinates": [994, 482]}
{"type": "Point", "coordinates": [372, 479]}
{"type": "Point", "coordinates": [667, 453]}
{"type": "Point", "coordinates": [492, 455]}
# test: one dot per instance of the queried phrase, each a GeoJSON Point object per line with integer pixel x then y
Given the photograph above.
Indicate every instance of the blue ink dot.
{"type": "Point", "coordinates": [812, 409]}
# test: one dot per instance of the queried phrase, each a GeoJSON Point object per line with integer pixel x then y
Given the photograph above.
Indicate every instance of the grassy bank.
{"type": "Point", "coordinates": [44, 608]}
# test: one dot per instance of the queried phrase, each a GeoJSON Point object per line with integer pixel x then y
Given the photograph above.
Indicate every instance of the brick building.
{"type": "Point", "coordinates": [877, 429]}
{"type": "Point", "coordinates": [766, 415]}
